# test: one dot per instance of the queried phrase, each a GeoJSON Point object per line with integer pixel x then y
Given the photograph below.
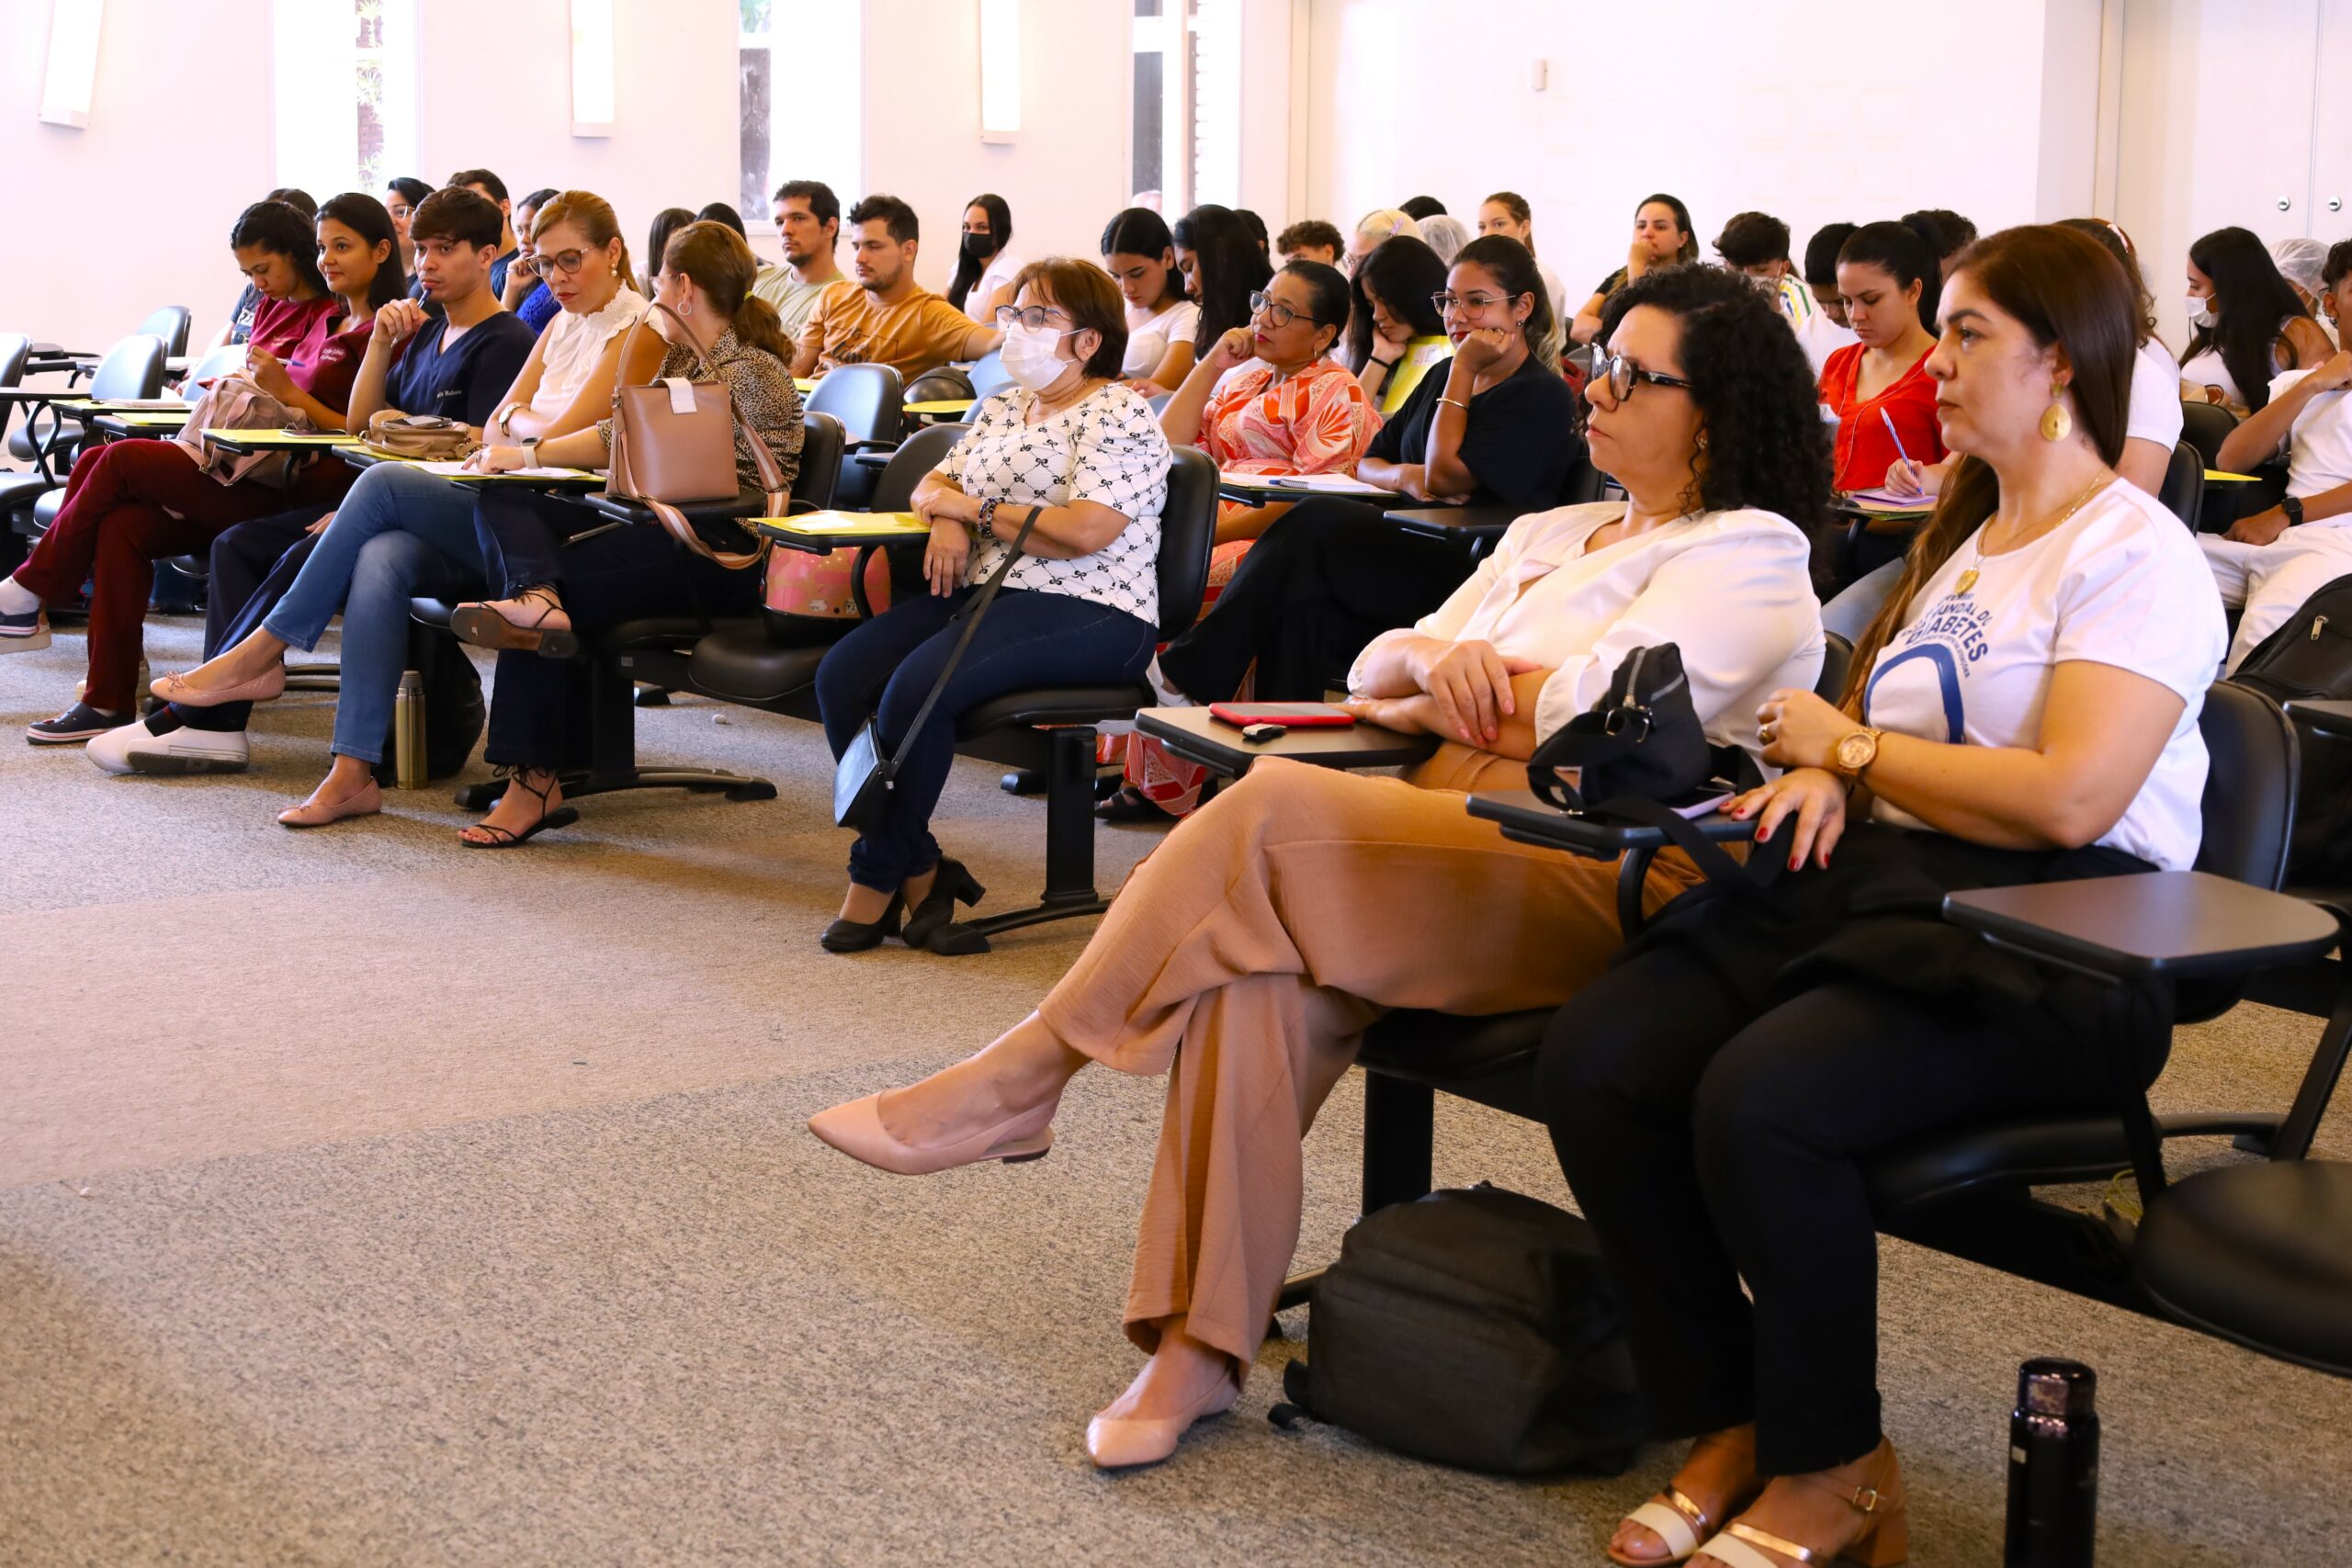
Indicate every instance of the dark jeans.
{"type": "Point", "coordinates": [1324, 581]}
{"type": "Point", "coordinates": [1709, 1142]}
{"type": "Point", "coordinates": [623, 574]}
{"type": "Point", "coordinates": [251, 567]}
{"type": "Point", "coordinates": [885, 667]}
{"type": "Point", "coordinates": [523, 532]}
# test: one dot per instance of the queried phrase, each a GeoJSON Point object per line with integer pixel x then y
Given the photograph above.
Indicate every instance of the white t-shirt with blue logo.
{"type": "Point", "coordinates": [2120, 582]}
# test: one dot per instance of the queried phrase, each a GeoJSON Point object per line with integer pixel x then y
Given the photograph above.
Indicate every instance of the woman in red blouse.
{"type": "Point", "coordinates": [1264, 401]}
{"type": "Point", "coordinates": [129, 503]}
{"type": "Point", "coordinates": [1883, 272]}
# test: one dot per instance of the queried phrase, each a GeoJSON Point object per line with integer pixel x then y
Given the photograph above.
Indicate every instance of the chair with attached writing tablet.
{"type": "Point", "coordinates": [50, 439]}
{"type": "Point", "coordinates": [868, 401]}
{"type": "Point", "coordinates": [2183, 492]}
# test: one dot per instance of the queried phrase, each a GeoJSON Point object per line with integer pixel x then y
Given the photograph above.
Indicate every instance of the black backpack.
{"type": "Point", "coordinates": [1476, 1328]}
{"type": "Point", "coordinates": [2311, 657]}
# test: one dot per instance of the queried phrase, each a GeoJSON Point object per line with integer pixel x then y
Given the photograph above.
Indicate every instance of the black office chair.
{"type": "Point", "coordinates": [169, 324]}
{"type": "Point", "coordinates": [869, 402]}
{"type": "Point", "coordinates": [130, 369]}
{"type": "Point", "coordinates": [15, 349]}
{"type": "Point", "coordinates": [2183, 491]}
{"type": "Point", "coordinates": [2205, 426]}
{"type": "Point", "coordinates": [988, 376]}
{"type": "Point", "coordinates": [938, 386]}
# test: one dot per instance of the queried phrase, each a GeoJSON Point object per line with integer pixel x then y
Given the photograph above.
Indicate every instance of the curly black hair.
{"type": "Point", "coordinates": [1767, 446]}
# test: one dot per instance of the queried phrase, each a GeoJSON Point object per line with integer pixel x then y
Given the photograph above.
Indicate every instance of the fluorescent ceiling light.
{"type": "Point", "coordinates": [72, 72]}
{"type": "Point", "coordinates": [1000, 70]}
{"type": "Point", "coordinates": [592, 67]}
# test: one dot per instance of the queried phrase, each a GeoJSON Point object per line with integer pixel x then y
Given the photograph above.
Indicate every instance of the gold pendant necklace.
{"type": "Point", "coordinates": [1968, 578]}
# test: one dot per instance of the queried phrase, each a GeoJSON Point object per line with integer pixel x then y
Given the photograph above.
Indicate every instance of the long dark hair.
{"type": "Point", "coordinates": [1767, 446]}
{"type": "Point", "coordinates": [968, 267]}
{"type": "Point", "coordinates": [720, 261]}
{"type": "Point", "coordinates": [372, 222]}
{"type": "Point", "coordinates": [1140, 231]}
{"type": "Point", "coordinates": [1513, 266]}
{"type": "Point", "coordinates": [2251, 299]}
{"type": "Point", "coordinates": [1402, 273]}
{"type": "Point", "coordinates": [1905, 254]}
{"type": "Point", "coordinates": [1228, 267]}
{"type": "Point", "coordinates": [2063, 289]}
{"type": "Point", "coordinates": [1690, 250]}
{"type": "Point", "coordinates": [666, 222]}
{"type": "Point", "coordinates": [2118, 243]}
{"type": "Point", "coordinates": [276, 227]}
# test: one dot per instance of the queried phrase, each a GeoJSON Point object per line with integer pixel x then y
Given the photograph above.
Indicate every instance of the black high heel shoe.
{"type": "Point", "coordinates": [853, 936]}
{"type": "Point", "coordinates": [934, 922]}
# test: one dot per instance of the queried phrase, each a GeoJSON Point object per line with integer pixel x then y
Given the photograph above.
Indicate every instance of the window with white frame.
{"type": "Point", "coordinates": [1186, 127]}
{"type": "Point", "coordinates": [343, 89]}
{"type": "Point", "coordinates": [801, 67]}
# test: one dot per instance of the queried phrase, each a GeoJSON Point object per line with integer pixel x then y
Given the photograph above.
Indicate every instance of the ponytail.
{"type": "Point", "coordinates": [720, 264]}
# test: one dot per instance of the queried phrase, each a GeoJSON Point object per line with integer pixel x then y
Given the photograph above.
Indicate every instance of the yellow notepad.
{"type": "Point", "coordinates": [940, 406]}
{"type": "Point", "coordinates": [285, 437]}
{"type": "Point", "coordinates": [455, 469]}
{"type": "Point", "coordinates": [848, 524]}
{"type": "Point", "coordinates": [2223, 477]}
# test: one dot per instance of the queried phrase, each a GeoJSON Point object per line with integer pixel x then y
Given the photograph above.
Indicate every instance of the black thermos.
{"type": "Point", "coordinates": [2053, 1467]}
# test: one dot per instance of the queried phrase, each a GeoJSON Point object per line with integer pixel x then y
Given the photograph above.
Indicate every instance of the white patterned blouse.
{"type": "Point", "coordinates": [1106, 449]}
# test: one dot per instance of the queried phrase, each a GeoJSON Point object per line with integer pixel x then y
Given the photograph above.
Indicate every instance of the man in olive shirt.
{"type": "Point", "coordinates": [809, 220]}
{"type": "Point", "coordinates": [885, 317]}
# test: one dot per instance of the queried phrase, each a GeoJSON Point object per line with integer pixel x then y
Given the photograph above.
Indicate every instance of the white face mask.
{"type": "Point", "coordinates": [1030, 358]}
{"type": "Point", "coordinates": [2199, 311]}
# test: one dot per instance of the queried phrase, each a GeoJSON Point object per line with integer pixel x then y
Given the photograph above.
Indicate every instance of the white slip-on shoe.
{"type": "Point", "coordinates": [136, 749]}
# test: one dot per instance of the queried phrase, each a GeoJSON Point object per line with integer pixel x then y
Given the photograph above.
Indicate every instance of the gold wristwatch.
{"type": "Point", "coordinates": [1855, 752]}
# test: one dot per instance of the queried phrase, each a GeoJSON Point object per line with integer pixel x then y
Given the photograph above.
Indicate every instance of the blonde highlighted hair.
{"type": "Point", "coordinates": [593, 216]}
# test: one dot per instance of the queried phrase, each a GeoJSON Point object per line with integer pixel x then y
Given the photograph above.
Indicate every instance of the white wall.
{"type": "Point", "coordinates": [140, 219]}
{"type": "Point", "coordinates": [1728, 106]}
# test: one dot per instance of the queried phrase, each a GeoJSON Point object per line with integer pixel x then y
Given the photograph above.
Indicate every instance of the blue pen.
{"type": "Point", "coordinates": [1899, 452]}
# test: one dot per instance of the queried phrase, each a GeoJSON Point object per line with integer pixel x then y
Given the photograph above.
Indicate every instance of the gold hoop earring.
{"type": "Point", "coordinates": [2057, 420]}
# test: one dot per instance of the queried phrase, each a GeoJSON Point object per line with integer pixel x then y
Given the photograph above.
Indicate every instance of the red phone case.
{"type": "Point", "coordinates": [1290, 716]}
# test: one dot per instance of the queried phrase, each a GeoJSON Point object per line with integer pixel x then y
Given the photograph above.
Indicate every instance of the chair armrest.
{"type": "Point", "coordinates": [627, 511]}
{"type": "Point", "coordinates": [2325, 718]}
{"type": "Point", "coordinates": [2173, 924]}
{"type": "Point", "coordinates": [878, 459]}
{"type": "Point", "coordinates": [1193, 734]}
{"type": "Point", "coordinates": [1527, 818]}
{"type": "Point", "coordinates": [855, 448]}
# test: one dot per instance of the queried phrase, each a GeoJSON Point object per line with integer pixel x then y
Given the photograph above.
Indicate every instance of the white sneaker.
{"type": "Point", "coordinates": [136, 749]}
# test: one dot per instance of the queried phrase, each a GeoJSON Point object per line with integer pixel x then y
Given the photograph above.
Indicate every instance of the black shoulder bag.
{"type": "Point", "coordinates": [863, 778]}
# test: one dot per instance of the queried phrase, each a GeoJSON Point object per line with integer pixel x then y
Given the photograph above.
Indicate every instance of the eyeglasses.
{"type": "Point", "coordinates": [564, 262]}
{"type": "Point", "coordinates": [1280, 315]}
{"type": "Point", "coordinates": [1621, 375]}
{"type": "Point", "coordinates": [1447, 299]}
{"type": "Point", "coordinates": [1036, 317]}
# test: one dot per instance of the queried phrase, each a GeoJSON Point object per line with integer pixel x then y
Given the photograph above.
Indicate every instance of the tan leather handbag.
{"type": "Point", "coordinates": [418, 437]}
{"type": "Point", "coordinates": [673, 444]}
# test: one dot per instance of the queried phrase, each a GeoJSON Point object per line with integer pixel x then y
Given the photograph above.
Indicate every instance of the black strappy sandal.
{"type": "Point", "coordinates": [561, 817]}
{"type": "Point", "coordinates": [479, 625]}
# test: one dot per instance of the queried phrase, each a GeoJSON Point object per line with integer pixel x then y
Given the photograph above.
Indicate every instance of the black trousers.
{"type": "Point", "coordinates": [251, 567]}
{"type": "Point", "coordinates": [1710, 1141]}
{"type": "Point", "coordinates": [1324, 581]}
{"type": "Point", "coordinates": [623, 574]}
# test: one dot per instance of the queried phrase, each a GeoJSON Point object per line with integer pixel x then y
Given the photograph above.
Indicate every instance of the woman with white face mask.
{"type": "Point", "coordinates": [1080, 458]}
{"type": "Point", "coordinates": [2249, 323]}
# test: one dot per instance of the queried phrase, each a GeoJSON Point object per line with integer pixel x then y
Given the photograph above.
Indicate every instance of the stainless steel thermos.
{"type": "Point", "coordinates": [408, 732]}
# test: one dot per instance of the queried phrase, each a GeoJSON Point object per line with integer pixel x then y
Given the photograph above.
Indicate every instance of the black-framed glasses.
{"type": "Point", "coordinates": [1447, 299]}
{"type": "Point", "coordinates": [1036, 317]}
{"type": "Point", "coordinates": [564, 262]}
{"type": "Point", "coordinates": [1621, 375]}
{"type": "Point", "coordinates": [1280, 315]}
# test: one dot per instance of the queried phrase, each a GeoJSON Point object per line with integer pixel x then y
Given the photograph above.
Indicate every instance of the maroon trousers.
{"type": "Point", "coordinates": [129, 504]}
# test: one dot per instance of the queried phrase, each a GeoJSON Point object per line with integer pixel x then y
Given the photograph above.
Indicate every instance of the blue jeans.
{"type": "Point", "coordinates": [400, 534]}
{"type": "Point", "coordinates": [1850, 615]}
{"type": "Point", "coordinates": [885, 667]}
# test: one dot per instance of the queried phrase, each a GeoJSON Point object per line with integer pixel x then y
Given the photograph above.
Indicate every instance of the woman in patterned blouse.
{"type": "Point", "coordinates": [1079, 457]}
{"type": "Point", "coordinates": [1266, 400]}
{"type": "Point", "coordinates": [556, 592]}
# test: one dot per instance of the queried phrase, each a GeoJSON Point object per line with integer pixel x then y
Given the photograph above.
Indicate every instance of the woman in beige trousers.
{"type": "Point", "coordinates": [1247, 955]}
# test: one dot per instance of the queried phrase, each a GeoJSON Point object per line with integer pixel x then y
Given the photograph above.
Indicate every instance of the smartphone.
{"type": "Point", "coordinates": [1293, 715]}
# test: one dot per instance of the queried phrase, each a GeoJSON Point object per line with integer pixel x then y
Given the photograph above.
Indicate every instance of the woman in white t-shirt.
{"type": "Point", "coordinates": [1140, 255]}
{"type": "Point", "coordinates": [2024, 709]}
{"type": "Point", "coordinates": [2152, 429]}
{"type": "Point", "coordinates": [985, 265]}
{"type": "Point", "coordinates": [1245, 959]}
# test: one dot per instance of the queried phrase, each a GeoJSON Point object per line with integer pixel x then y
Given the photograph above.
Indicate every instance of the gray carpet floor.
{"type": "Point", "coordinates": [367, 1200]}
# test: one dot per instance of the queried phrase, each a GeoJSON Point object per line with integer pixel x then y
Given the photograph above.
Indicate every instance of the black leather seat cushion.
{"type": "Point", "coordinates": [20, 490]}
{"type": "Point", "coordinates": [2022, 1154]}
{"type": "Point", "coordinates": [1059, 705]}
{"type": "Point", "coordinates": [2259, 1254]}
{"type": "Point", "coordinates": [1443, 1049]}
{"type": "Point", "coordinates": [737, 660]}
{"type": "Point", "coordinates": [46, 508]}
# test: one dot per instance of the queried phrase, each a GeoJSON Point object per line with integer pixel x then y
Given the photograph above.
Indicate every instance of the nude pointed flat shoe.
{"type": "Point", "coordinates": [1118, 1443]}
{"type": "Point", "coordinates": [856, 1130]}
{"type": "Point", "coordinates": [365, 801]}
{"type": "Point", "coordinates": [265, 687]}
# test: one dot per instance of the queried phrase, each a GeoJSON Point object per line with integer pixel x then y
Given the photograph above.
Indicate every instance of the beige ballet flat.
{"type": "Point", "coordinates": [365, 801]}
{"type": "Point", "coordinates": [1120, 1443]}
{"type": "Point", "coordinates": [856, 1130]}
